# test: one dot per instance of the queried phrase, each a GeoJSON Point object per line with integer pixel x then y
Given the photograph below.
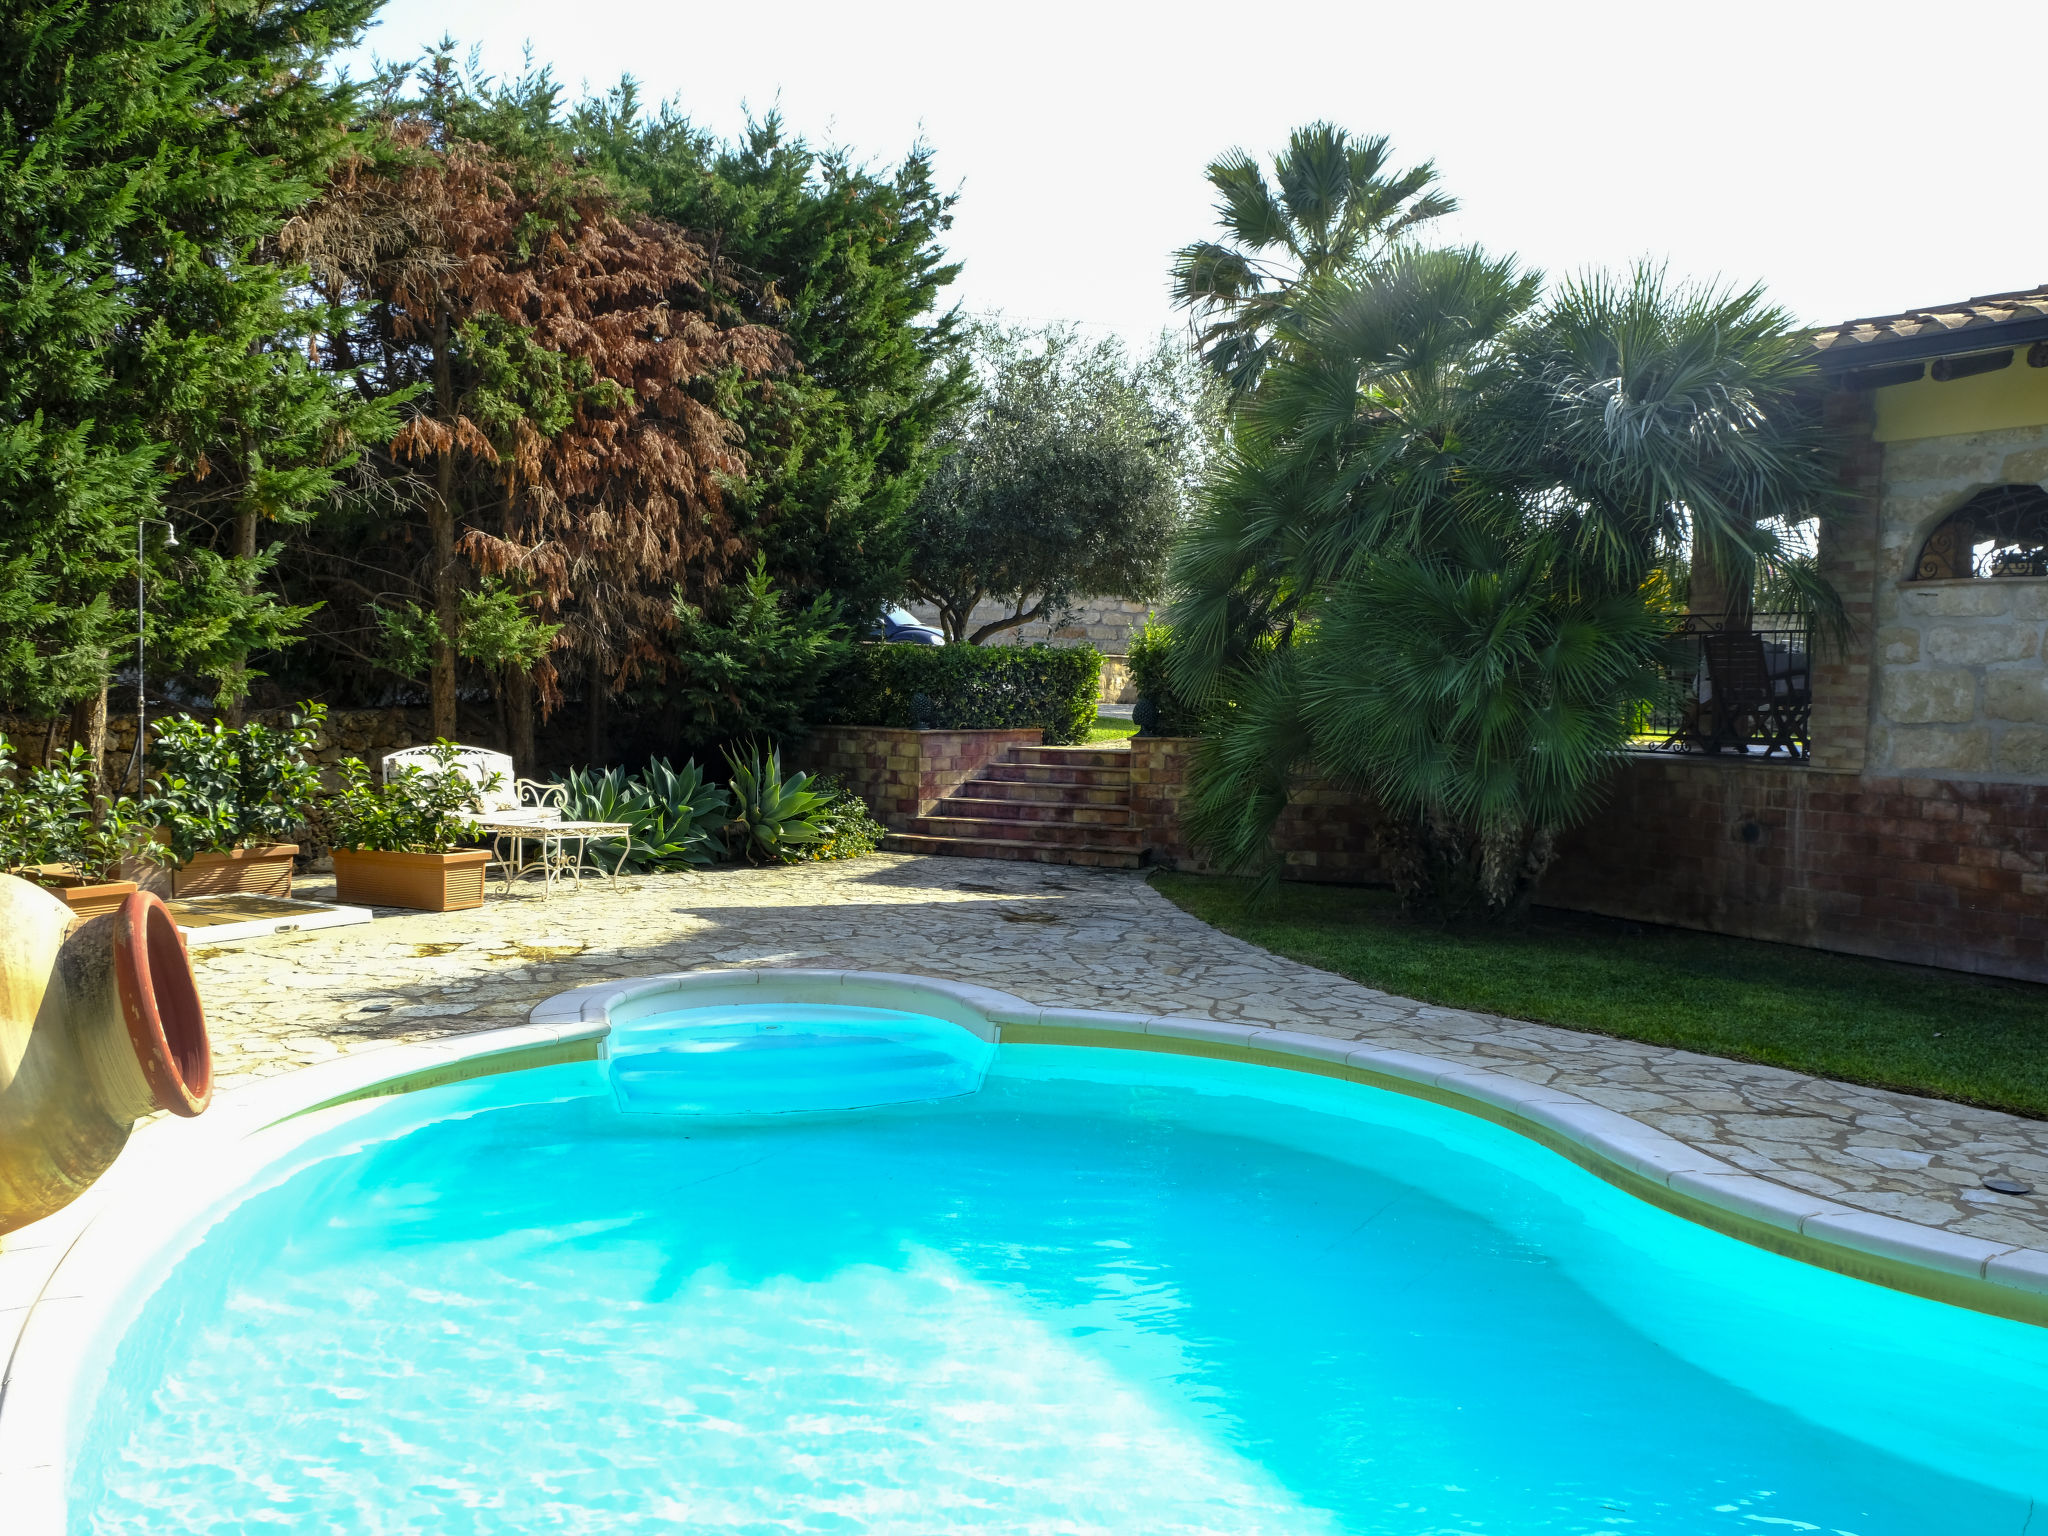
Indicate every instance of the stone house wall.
{"type": "Point", "coordinates": [1107, 623]}
{"type": "Point", "coordinates": [1961, 688]}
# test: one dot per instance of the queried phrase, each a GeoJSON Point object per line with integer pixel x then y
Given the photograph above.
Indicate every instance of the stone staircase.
{"type": "Point", "coordinates": [1047, 805]}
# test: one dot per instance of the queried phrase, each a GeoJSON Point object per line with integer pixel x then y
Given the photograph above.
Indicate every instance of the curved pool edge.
{"type": "Point", "coordinates": [2002, 1279]}
{"type": "Point", "coordinates": [60, 1266]}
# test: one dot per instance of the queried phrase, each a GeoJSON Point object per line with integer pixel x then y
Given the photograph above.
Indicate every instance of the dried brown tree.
{"type": "Point", "coordinates": [565, 438]}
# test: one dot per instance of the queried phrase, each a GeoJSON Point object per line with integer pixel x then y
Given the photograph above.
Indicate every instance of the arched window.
{"type": "Point", "coordinates": [1999, 532]}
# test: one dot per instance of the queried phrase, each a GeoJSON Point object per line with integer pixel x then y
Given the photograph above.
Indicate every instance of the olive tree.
{"type": "Point", "coordinates": [1066, 477]}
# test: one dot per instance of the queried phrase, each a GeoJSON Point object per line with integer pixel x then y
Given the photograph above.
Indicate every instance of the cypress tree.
{"type": "Point", "coordinates": [847, 262]}
{"type": "Point", "coordinates": [153, 359]}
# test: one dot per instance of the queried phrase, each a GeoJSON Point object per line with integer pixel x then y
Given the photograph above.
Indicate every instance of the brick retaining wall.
{"type": "Point", "coordinates": [903, 774]}
{"type": "Point", "coordinates": [1326, 833]}
{"type": "Point", "coordinates": [1932, 871]}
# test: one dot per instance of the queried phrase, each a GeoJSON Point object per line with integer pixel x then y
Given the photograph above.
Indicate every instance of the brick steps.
{"type": "Point", "coordinates": [1048, 805]}
{"type": "Point", "coordinates": [999, 848]}
{"type": "Point", "coordinates": [990, 791]}
{"type": "Point", "coordinates": [1087, 814]}
{"type": "Point", "coordinates": [1054, 773]}
{"type": "Point", "coordinates": [1067, 833]}
{"type": "Point", "coordinates": [1118, 758]}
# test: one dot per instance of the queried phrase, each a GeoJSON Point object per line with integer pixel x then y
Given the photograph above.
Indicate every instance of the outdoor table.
{"type": "Point", "coordinates": [522, 842]}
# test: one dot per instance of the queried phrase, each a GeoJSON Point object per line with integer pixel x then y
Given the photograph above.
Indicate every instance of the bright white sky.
{"type": "Point", "coordinates": [1858, 158]}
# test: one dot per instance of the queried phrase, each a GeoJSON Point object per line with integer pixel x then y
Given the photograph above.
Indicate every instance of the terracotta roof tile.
{"type": "Point", "coordinates": [1993, 309]}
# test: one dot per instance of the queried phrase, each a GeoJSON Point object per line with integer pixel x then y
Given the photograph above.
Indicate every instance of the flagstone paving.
{"type": "Point", "coordinates": [1088, 939]}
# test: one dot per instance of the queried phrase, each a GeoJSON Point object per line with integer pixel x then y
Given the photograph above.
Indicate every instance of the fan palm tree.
{"type": "Point", "coordinates": [1332, 207]}
{"type": "Point", "coordinates": [1433, 566]}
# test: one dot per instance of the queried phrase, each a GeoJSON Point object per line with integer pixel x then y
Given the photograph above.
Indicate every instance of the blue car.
{"type": "Point", "coordinates": [902, 627]}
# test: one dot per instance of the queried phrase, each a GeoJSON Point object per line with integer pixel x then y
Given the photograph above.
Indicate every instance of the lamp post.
{"type": "Point", "coordinates": [136, 758]}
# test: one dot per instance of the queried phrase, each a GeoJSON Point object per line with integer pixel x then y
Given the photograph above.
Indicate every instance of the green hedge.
{"type": "Point", "coordinates": [968, 688]}
{"type": "Point", "coordinates": [1161, 711]}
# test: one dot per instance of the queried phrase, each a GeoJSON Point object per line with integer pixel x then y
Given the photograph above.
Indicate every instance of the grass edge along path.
{"type": "Point", "coordinates": [1944, 1034]}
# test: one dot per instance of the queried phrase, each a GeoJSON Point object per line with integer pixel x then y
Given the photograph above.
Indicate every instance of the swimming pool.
{"type": "Point", "coordinates": [1015, 1287]}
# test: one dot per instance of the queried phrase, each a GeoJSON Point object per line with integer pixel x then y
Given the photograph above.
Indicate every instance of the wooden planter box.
{"type": "Point", "coordinates": [425, 882]}
{"type": "Point", "coordinates": [84, 900]}
{"type": "Point", "coordinates": [265, 870]}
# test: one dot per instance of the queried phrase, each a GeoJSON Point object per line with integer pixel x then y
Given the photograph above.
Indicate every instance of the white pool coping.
{"type": "Point", "coordinates": [56, 1273]}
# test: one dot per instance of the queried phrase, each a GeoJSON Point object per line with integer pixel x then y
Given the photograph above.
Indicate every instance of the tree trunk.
{"type": "Point", "coordinates": [1711, 593]}
{"type": "Point", "coordinates": [441, 527]}
{"type": "Point", "coordinates": [245, 549]}
{"type": "Point", "coordinates": [518, 697]}
{"type": "Point", "coordinates": [597, 745]}
{"type": "Point", "coordinates": [89, 730]}
{"type": "Point", "coordinates": [1016, 620]}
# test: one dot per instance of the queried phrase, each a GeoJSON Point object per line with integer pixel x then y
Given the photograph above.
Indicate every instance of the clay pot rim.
{"type": "Point", "coordinates": [160, 1005]}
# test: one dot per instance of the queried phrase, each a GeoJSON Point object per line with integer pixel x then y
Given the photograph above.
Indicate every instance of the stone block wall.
{"type": "Point", "coordinates": [361, 733]}
{"type": "Point", "coordinates": [903, 774]}
{"type": "Point", "coordinates": [1107, 623]}
{"type": "Point", "coordinates": [1961, 690]}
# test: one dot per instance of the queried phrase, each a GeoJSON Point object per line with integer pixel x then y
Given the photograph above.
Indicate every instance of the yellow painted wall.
{"type": "Point", "coordinates": [2015, 396]}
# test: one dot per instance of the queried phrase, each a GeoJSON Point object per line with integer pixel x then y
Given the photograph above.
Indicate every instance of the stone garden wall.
{"type": "Point", "coordinates": [363, 733]}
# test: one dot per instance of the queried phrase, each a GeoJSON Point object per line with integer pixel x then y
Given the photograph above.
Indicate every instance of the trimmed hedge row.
{"type": "Point", "coordinates": [968, 688]}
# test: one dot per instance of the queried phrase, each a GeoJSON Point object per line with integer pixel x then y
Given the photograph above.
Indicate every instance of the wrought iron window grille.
{"type": "Point", "coordinates": [1996, 533]}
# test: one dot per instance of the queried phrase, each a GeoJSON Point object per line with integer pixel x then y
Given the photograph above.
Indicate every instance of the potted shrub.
{"type": "Point", "coordinates": [226, 798]}
{"type": "Point", "coordinates": [398, 844]}
{"type": "Point", "coordinates": [57, 833]}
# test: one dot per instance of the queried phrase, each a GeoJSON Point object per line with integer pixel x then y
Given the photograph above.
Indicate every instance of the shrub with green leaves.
{"type": "Point", "coordinates": [676, 815]}
{"type": "Point", "coordinates": [775, 820]}
{"type": "Point", "coordinates": [219, 787]}
{"type": "Point", "coordinates": [750, 664]}
{"type": "Point", "coordinates": [969, 688]}
{"type": "Point", "coordinates": [47, 817]}
{"type": "Point", "coordinates": [1160, 710]}
{"type": "Point", "coordinates": [414, 810]}
{"type": "Point", "coordinates": [849, 827]}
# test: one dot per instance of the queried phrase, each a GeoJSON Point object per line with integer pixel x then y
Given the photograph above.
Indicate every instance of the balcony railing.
{"type": "Point", "coordinates": [1739, 684]}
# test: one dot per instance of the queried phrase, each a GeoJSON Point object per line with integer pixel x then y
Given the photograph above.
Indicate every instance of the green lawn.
{"type": "Point", "coordinates": [1865, 1021]}
{"type": "Point", "coordinates": [1110, 728]}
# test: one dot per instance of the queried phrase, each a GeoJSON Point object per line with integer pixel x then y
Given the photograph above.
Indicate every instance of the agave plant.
{"type": "Point", "coordinates": [774, 818]}
{"type": "Point", "coordinates": [676, 816]}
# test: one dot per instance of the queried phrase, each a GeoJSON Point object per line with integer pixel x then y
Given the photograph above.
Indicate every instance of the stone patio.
{"type": "Point", "coordinates": [1080, 938]}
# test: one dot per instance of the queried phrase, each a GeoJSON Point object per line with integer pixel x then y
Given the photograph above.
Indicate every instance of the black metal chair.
{"type": "Point", "coordinates": [1750, 702]}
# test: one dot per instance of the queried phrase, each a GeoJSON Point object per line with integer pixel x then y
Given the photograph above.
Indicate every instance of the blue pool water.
{"type": "Point", "coordinates": [1105, 1292]}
